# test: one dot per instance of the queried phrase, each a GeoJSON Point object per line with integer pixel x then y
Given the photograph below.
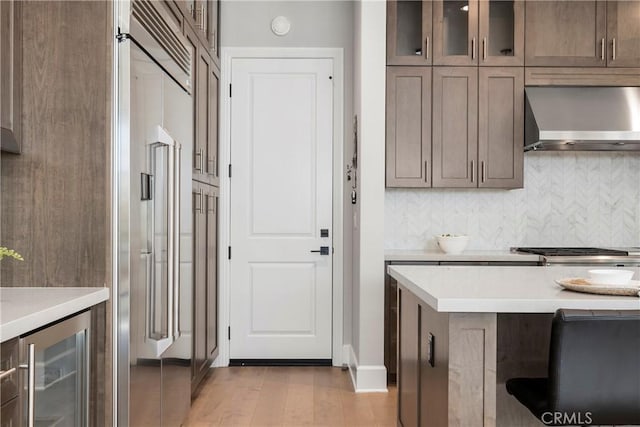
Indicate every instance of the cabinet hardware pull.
{"type": "Point", "coordinates": [198, 155]}
{"type": "Point", "coordinates": [473, 48]}
{"type": "Point", "coordinates": [602, 49]}
{"type": "Point", "coordinates": [210, 205]}
{"type": "Point", "coordinates": [215, 45]}
{"type": "Point", "coordinates": [203, 21]}
{"type": "Point", "coordinates": [613, 50]}
{"type": "Point", "coordinates": [198, 207]}
{"type": "Point", "coordinates": [473, 171]}
{"type": "Point", "coordinates": [484, 171]}
{"type": "Point", "coordinates": [6, 373]}
{"type": "Point", "coordinates": [484, 48]}
{"type": "Point", "coordinates": [426, 171]}
{"type": "Point", "coordinates": [426, 48]}
{"type": "Point", "coordinates": [31, 383]}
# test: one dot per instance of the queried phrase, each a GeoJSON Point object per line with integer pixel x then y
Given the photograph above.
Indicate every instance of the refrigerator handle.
{"type": "Point", "coordinates": [171, 247]}
{"type": "Point", "coordinates": [176, 230]}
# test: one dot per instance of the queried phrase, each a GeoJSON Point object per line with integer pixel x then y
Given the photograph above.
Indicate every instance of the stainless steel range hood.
{"type": "Point", "coordinates": [582, 118]}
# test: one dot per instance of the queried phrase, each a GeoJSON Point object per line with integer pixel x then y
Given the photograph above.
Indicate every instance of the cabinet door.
{"type": "Point", "coordinates": [408, 126]}
{"type": "Point", "coordinates": [501, 32]}
{"type": "Point", "coordinates": [409, 32]}
{"type": "Point", "coordinates": [623, 31]}
{"type": "Point", "coordinates": [197, 153]}
{"type": "Point", "coordinates": [455, 126]}
{"type": "Point", "coordinates": [501, 133]}
{"type": "Point", "coordinates": [199, 286]}
{"type": "Point", "coordinates": [408, 359]}
{"type": "Point", "coordinates": [212, 273]}
{"type": "Point", "coordinates": [212, 140]}
{"type": "Point", "coordinates": [434, 367]}
{"type": "Point", "coordinates": [455, 32]}
{"type": "Point", "coordinates": [203, 114]}
{"type": "Point", "coordinates": [565, 33]}
{"type": "Point", "coordinates": [213, 33]}
{"type": "Point", "coordinates": [10, 75]}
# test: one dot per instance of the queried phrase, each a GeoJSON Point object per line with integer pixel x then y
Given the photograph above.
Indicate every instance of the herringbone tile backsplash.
{"type": "Point", "coordinates": [569, 199]}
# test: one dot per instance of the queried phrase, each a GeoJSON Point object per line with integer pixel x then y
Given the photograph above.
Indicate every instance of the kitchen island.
{"type": "Point", "coordinates": [465, 330]}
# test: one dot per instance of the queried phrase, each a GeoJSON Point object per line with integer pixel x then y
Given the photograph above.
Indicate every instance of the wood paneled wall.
{"type": "Point", "coordinates": [55, 196]}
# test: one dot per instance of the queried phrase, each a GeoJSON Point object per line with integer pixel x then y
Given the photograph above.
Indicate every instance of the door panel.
{"type": "Point", "coordinates": [408, 127]}
{"type": "Point", "coordinates": [455, 126]}
{"type": "Point", "coordinates": [501, 32]}
{"type": "Point", "coordinates": [409, 40]}
{"type": "Point", "coordinates": [408, 359]}
{"type": "Point", "coordinates": [281, 197]}
{"type": "Point", "coordinates": [623, 31]}
{"type": "Point", "coordinates": [212, 273]}
{"type": "Point", "coordinates": [501, 133]}
{"type": "Point", "coordinates": [565, 33]}
{"type": "Point", "coordinates": [212, 141]}
{"type": "Point", "coordinates": [455, 32]}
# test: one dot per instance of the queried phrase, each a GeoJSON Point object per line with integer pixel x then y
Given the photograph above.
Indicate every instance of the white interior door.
{"type": "Point", "coordinates": [281, 199]}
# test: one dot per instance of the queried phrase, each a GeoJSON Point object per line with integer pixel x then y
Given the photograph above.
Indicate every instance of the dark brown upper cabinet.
{"type": "Point", "coordinates": [500, 127]}
{"type": "Point", "coordinates": [213, 140]}
{"type": "Point", "coordinates": [566, 33]}
{"type": "Point", "coordinates": [478, 118]}
{"type": "Point", "coordinates": [409, 40]}
{"type": "Point", "coordinates": [623, 32]}
{"type": "Point", "coordinates": [408, 127]}
{"type": "Point", "coordinates": [10, 76]}
{"type": "Point", "coordinates": [204, 17]}
{"type": "Point", "coordinates": [455, 126]}
{"type": "Point", "coordinates": [472, 32]}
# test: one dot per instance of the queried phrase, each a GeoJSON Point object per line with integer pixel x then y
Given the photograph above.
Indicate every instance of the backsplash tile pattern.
{"type": "Point", "coordinates": [569, 199]}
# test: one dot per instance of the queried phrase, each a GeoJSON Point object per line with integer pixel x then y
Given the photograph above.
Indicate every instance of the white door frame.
{"type": "Point", "coordinates": [228, 54]}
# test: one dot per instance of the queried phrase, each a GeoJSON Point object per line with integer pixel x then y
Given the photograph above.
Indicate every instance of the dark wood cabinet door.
{"type": "Point", "coordinates": [408, 359]}
{"type": "Point", "coordinates": [455, 126]}
{"type": "Point", "coordinates": [409, 40]}
{"type": "Point", "coordinates": [500, 127]}
{"type": "Point", "coordinates": [203, 115]}
{"type": "Point", "coordinates": [408, 144]}
{"type": "Point", "coordinates": [623, 32]}
{"type": "Point", "coordinates": [501, 32]}
{"type": "Point", "coordinates": [213, 137]}
{"type": "Point", "coordinates": [199, 359]}
{"type": "Point", "coordinates": [565, 33]}
{"type": "Point", "coordinates": [455, 32]}
{"type": "Point", "coordinates": [212, 273]}
{"type": "Point", "coordinates": [10, 75]}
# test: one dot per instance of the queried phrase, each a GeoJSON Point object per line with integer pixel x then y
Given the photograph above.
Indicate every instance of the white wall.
{"type": "Point", "coordinates": [367, 363]}
{"type": "Point", "coordinates": [313, 24]}
{"type": "Point", "coordinates": [569, 199]}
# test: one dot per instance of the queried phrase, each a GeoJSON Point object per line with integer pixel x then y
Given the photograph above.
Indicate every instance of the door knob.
{"type": "Point", "coordinates": [324, 250]}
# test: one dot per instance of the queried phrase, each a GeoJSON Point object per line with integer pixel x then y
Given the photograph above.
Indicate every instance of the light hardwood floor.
{"type": "Point", "coordinates": [288, 396]}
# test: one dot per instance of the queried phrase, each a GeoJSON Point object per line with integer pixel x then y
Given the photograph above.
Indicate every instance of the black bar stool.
{"type": "Point", "coordinates": [594, 371]}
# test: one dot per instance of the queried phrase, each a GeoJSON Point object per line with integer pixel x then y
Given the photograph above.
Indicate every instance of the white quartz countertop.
{"type": "Point", "coordinates": [503, 290]}
{"type": "Point", "coordinates": [468, 256]}
{"type": "Point", "coordinates": [25, 309]}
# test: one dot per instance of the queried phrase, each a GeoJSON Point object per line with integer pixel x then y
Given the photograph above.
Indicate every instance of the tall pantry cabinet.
{"type": "Point", "coordinates": [200, 23]}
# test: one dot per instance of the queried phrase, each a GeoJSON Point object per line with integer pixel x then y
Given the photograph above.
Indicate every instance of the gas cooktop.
{"type": "Point", "coordinates": [571, 251]}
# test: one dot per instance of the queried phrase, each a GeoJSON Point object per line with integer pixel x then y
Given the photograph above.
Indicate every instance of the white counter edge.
{"type": "Point", "coordinates": [22, 325]}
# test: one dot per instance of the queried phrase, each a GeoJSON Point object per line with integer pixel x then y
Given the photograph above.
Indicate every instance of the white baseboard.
{"type": "Point", "coordinates": [366, 378]}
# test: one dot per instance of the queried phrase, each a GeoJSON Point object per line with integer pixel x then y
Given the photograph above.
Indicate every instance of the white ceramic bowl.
{"type": "Point", "coordinates": [610, 277]}
{"type": "Point", "coordinates": [452, 243]}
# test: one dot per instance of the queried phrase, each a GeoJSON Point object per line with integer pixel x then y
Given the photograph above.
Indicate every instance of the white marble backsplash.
{"type": "Point", "coordinates": [569, 199]}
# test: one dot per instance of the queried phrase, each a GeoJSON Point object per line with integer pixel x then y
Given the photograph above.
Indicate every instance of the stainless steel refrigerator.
{"type": "Point", "coordinates": [154, 141]}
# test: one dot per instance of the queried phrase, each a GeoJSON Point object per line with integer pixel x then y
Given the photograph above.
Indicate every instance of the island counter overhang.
{"type": "Point", "coordinates": [465, 330]}
{"type": "Point", "coordinates": [469, 289]}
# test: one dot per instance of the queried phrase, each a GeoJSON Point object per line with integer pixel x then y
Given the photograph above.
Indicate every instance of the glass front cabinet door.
{"type": "Point", "coordinates": [55, 381]}
{"type": "Point", "coordinates": [409, 40]}
{"type": "Point", "coordinates": [478, 32]}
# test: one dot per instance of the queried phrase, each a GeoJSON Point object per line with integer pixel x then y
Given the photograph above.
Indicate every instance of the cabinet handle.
{"type": "Point", "coordinates": [483, 170]}
{"type": "Point", "coordinates": [31, 383]}
{"type": "Point", "coordinates": [602, 49]}
{"type": "Point", "coordinates": [473, 48]}
{"type": "Point", "coordinates": [203, 20]}
{"type": "Point", "coordinates": [473, 171]}
{"type": "Point", "coordinates": [613, 49]}
{"type": "Point", "coordinates": [215, 45]}
{"type": "Point", "coordinates": [199, 160]}
{"type": "Point", "coordinates": [212, 162]}
{"type": "Point", "coordinates": [426, 48]}
{"type": "Point", "coordinates": [484, 48]}
{"type": "Point", "coordinates": [426, 171]}
{"type": "Point", "coordinates": [198, 207]}
{"type": "Point", "coordinates": [6, 373]}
